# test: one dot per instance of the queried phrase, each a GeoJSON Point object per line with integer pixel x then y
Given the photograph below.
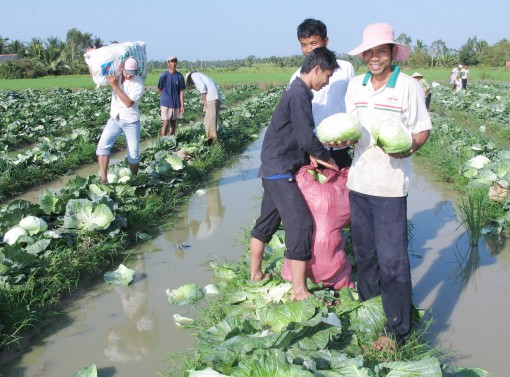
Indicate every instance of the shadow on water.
{"type": "Point", "coordinates": [467, 288]}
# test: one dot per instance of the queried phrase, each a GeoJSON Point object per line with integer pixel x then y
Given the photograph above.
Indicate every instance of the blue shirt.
{"type": "Point", "coordinates": [171, 84]}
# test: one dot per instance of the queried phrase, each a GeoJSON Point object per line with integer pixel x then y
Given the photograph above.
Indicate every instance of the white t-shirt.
{"type": "Point", "coordinates": [205, 84]}
{"type": "Point", "coordinates": [331, 99]}
{"type": "Point", "coordinates": [373, 172]}
{"type": "Point", "coordinates": [134, 89]}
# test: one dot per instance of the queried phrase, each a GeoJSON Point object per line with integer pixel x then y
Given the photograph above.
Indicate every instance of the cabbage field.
{"type": "Point", "coordinates": [246, 329]}
{"type": "Point", "coordinates": [88, 224]}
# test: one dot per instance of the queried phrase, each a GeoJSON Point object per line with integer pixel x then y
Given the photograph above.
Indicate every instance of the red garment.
{"type": "Point", "coordinates": [329, 206]}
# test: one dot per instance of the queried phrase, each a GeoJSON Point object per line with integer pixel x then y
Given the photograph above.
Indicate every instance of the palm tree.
{"type": "Point", "coordinates": [17, 47]}
{"type": "Point", "coordinates": [35, 48]}
{"type": "Point", "coordinates": [3, 45]}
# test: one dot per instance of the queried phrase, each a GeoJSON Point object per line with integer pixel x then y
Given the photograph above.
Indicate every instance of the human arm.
{"type": "Point", "coordinates": [302, 123]}
{"type": "Point", "coordinates": [114, 83]}
{"type": "Point", "coordinates": [181, 97]}
{"type": "Point", "coordinates": [330, 164]}
{"type": "Point", "coordinates": [161, 84]}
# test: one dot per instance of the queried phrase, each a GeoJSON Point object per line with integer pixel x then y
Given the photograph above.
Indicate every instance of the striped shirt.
{"type": "Point", "coordinates": [373, 172]}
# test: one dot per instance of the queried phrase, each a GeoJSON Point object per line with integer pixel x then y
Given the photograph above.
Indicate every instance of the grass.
{"type": "Point", "coordinates": [257, 75]}
{"type": "Point", "coordinates": [472, 211]}
{"type": "Point", "coordinates": [270, 75]}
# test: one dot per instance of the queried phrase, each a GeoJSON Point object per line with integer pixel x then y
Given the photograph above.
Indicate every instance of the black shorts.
{"type": "Point", "coordinates": [283, 202]}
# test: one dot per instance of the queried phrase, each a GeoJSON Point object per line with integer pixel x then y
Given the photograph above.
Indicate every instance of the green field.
{"type": "Point", "coordinates": [260, 75]}
{"type": "Point", "coordinates": [270, 75]}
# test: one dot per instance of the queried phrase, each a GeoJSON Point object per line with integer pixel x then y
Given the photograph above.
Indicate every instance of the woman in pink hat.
{"type": "Point", "coordinates": [378, 182]}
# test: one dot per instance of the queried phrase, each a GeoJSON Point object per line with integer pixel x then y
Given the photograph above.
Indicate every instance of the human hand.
{"type": "Point", "coordinates": [340, 144]}
{"type": "Point", "coordinates": [112, 80]}
{"type": "Point", "coordinates": [330, 164]}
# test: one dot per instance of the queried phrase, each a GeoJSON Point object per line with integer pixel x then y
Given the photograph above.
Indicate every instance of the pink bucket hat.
{"type": "Point", "coordinates": [380, 34]}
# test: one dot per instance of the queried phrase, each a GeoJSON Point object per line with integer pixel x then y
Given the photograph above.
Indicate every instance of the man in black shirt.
{"type": "Point", "coordinates": [290, 143]}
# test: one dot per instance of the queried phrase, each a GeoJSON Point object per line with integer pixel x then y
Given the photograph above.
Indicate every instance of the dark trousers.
{"type": "Point", "coordinates": [283, 202]}
{"type": "Point", "coordinates": [379, 240]}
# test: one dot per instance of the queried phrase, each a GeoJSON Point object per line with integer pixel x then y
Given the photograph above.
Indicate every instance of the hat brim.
{"type": "Point", "coordinates": [129, 72]}
{"type": "Point", "coordinates": [403, 51]}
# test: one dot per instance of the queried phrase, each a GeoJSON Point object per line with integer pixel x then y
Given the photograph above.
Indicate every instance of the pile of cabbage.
{"type": "Point", "coordinates": [338, 127]}
{"type": "Point", "coordinates": [392, 136]}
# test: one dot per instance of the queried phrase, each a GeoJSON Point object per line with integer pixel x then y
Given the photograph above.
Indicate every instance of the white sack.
{"type": "Point", "coordinates": [108, 59]}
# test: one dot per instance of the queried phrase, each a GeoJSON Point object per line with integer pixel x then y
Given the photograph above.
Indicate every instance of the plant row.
{"type": "Point", "coordinates": [464, 153]}
{"type": "Point", "coordinates": [67, 126]}
{"type": "Point", "coordinates": [253, 329]}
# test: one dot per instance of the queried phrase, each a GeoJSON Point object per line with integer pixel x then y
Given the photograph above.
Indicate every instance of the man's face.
{"type": "Point", "coordinates": [126, 76]}
{"type": "Point", "coordinates": [321, 78]}
{"type": "Point", "coordinates": [378, 59]}
{"type": "Point", "coordinates": [311, 43]}
{"type": "Point", "coordinates": [172, 64]}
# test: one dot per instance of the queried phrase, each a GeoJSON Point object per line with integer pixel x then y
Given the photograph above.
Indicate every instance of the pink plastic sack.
{"type": "Point", "coordinates": [329, 205]}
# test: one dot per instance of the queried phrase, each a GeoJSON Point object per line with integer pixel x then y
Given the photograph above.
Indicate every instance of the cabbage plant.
{"type": "Point", "coordinates": [187, 294]}
{"type": "Point", "coordinates": [391, 135]}
{"type": "Point", "coordinates": [82, 214]}
{"type": "Point", "coordinates": [33, 225]}
{"type": "Point", "coordinates": [121, 276]}
{"type": "Point", "coordinates": [12, 235]}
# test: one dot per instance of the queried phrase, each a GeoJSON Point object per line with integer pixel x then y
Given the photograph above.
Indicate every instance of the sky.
{"type": "Point", "coordinates": [235, 29]}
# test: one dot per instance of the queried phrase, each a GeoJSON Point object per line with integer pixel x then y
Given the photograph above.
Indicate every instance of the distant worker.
{"type": "Point", "coordinates": [454, 75]}
{"type": "Point", "coordinates": [170, 87]}
{"type": "Point", "coordinates": [426, 87]}
{"type": "Point", "coordinates": [128, 89]}
{"type": "Point", "coordinates": [464, 74]}
{"type": "Point", "coordinates": [212, 99]}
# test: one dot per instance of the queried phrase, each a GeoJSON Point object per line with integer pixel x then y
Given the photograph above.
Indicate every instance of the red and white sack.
{"type": "Point", "coordinates": [329, 206]}
{"type": "Point", "coordinates": [108, 59]}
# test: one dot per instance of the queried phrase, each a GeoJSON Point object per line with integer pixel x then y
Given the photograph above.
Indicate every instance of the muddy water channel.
{"type": "Point", "coordinates": [129, 331]}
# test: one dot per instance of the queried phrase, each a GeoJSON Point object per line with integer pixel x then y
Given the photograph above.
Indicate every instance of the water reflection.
{"type": "Point", "coordinates": [138, 335]}
{"type": "Point", "coordinates": [214, 213]}
{"type": "Point", "coordinates": [178, 234]}
{"type": "Point", "coordinates": [467, 266]}
{"type": "Point", "coordinates": [496, 243]}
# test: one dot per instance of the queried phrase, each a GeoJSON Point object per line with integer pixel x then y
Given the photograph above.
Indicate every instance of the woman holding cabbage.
{"type": "Point", "coordinates": [390, 106]}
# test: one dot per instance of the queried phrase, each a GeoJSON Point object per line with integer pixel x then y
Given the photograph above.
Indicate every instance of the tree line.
{"type": "Point", "coordinates": [53, 56]}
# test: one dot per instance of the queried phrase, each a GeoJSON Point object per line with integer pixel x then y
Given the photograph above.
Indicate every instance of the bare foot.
{"type": "Point", "coordinates": [385, 344]}
{"type": "Point", "coordinates": [259, 276]}
{"type": "Point", "coordinates": [300, 296]}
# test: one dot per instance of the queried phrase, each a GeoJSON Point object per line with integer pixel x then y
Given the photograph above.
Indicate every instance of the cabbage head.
{"type": "Point", "coordinates": [188, 294]}
{"type": "Point", "coordinates": [12, 235]}
{"type": "Point", "coordinates": [85, 215]}
{"type": "Point", "coordinates": [33, 225]}
{"type": "Point", "coordinates": [175, 162]}
{"type": "Point", "coordinates": [392, 136]}
{"type": "Point", "coordinates": [338, 127]}
{"type": "Point", "coordinates": [121, 276]}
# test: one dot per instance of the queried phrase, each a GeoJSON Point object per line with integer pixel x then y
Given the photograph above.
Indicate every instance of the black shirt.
{"type": "Point", "coordinates": [290, 139]}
